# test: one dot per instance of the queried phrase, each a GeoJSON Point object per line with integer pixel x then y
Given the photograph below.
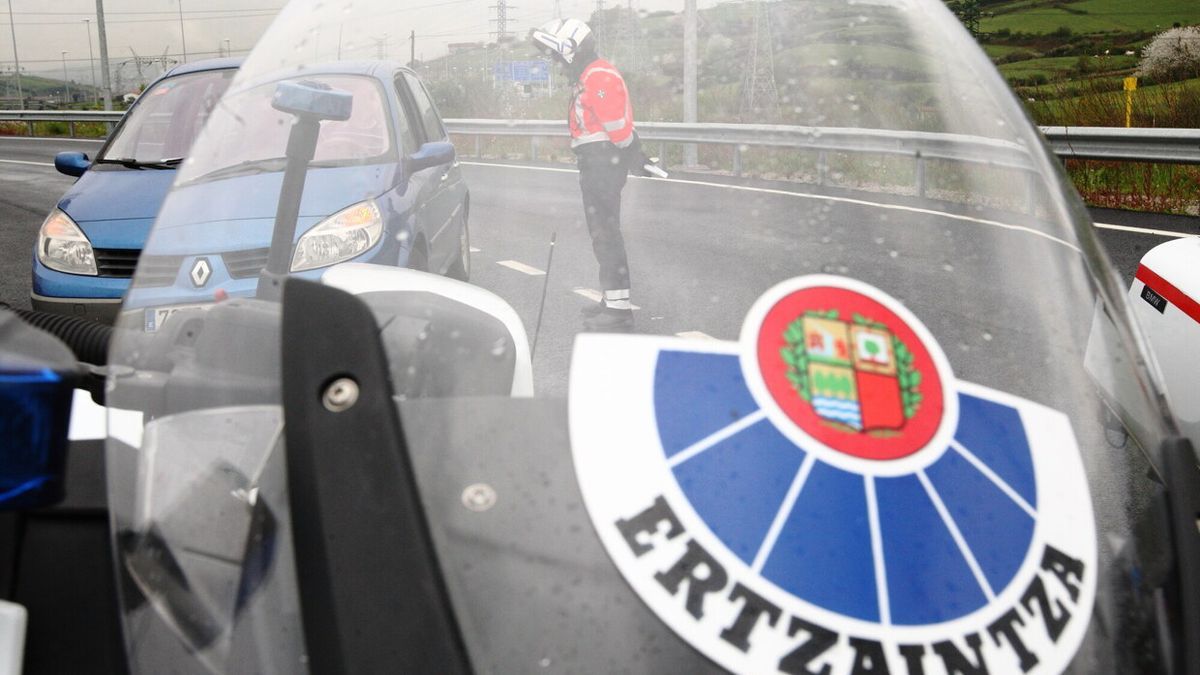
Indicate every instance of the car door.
{"type": "Point", "coordinates": [448, 191]}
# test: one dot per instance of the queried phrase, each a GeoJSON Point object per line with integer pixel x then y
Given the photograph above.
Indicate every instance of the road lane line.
{"type": "Point", "coordinates": [521, 267]}
{"type": "Point", "coordinates": [808, 195]}
{"type": "Point", "coordinates": [53, 138]}
{"type": "Point", "coordinates": [695, 335]}
{"type": "Point", "coordinates": [1143, 230]}
{"type": "Point", "coordinates": [527, 168]}
{"type": "Point", "coordinates": [18, 161]}
{"type": "Point", "coordinates": [593, 295]}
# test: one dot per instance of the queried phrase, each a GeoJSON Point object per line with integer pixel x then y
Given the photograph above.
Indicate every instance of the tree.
{"type": "Point", "coordinates": [1172, 55]}
{"type": "Point", "coordinates": [969, 12]}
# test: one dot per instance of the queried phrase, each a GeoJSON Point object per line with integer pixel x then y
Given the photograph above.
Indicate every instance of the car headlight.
{"type": "Point", "coordinates": [339, 237]}
{"type": "Point", "coordinates": [62, 246]}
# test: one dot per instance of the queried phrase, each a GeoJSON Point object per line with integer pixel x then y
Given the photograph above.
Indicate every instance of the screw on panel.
{"type": "Point", "coordinates": [479, 497]}
{"type": "Point", "coordinates": [340, 395]}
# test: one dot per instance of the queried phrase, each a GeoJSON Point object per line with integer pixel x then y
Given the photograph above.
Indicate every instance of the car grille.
{"type": "Point", "coordinates": [116, 262]}
{"type": "Point", "coordinates": [159, 270]}
{"type": "Point", "coordinates": [245, 264]}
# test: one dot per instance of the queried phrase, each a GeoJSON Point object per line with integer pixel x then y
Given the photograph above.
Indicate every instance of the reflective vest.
{"type": "Point", "coordinates": [600, 108]}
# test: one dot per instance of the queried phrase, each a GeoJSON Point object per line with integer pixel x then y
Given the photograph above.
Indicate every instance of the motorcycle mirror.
{"type": "Point", "coordinates": [314, 100]}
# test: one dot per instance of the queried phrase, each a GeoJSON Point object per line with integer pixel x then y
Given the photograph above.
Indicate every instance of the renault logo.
{"type": "Point", "coordinates": [201, 272]}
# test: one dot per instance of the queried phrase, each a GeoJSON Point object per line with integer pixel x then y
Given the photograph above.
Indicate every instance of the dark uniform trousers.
{"type": "Point", "coordinates": [602, 175]}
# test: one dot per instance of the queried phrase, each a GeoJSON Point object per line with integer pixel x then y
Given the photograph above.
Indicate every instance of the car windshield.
{"type": "Point", "coordinates": [247, 131]}
{"type": "Point", "coordinates": [167, 117]}
{"type": "Point", "coordinates": [756, 336]}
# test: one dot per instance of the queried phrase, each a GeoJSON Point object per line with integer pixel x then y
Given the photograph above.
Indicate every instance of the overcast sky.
{"type": "Point", "coordinates": [152, 27]}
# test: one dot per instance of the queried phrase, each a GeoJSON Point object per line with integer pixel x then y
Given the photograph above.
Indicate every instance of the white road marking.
{"type": "Point", "coordinates": [521, 267]}
{"type": "Point", "coordinates": [862, 202]}
{"type": "Point", "coordinates": [56, 139]}
{"type": "Point", "coordinates": [475, 250]}
{"type": "Point", "coordinates": [784, 512]}
{"type": "Point", "coordinates": [1143, 230]}
{"type": "Point", "coordinates": [956, 535]}
{"type": "Point", "coordinates": [695, 335]}
{"type": "Point", "coordinates": [995, 478]}
{"type": "Point", "coordinates": [716, 437]}
{"type": "Point", "coordinates": [881, 587]}
{"type": "Point", "coordinates": [517, 166]}
{"type": "Point", "coordinates": [594, 295]}
{"type": "Point", "coordinates": [18, 161]}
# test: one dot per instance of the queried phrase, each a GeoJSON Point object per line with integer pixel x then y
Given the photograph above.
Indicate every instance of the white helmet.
{"type": "Point", "coordinates": [563, 38]}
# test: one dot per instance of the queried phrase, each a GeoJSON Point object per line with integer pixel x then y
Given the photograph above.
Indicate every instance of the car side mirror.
{"type": "Point", "coordinates": [71, 163]}
{"type": "Point", "coordinates": [431, 154]}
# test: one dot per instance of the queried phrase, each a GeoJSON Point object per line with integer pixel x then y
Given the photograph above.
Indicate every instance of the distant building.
{"type": "Point", "coordinates": [460, 47]}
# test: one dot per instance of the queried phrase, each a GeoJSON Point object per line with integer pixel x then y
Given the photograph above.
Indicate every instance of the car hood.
{"type": "Point", "coordinates": [239, 212]}
{"type": "Point", "coordinates": [326, 191]}
{"type": "Point", "coordinates": [117, 194]}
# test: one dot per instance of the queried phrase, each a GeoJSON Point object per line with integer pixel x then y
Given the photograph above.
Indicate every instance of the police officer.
{"type": "Point", "coordinates": [600, 117]}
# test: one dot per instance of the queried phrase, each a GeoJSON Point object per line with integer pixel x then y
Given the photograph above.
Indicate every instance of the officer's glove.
{"type": "Point", "coordinates": [647, 167]}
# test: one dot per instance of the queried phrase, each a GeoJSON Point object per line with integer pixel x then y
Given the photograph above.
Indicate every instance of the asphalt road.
{"type": "Point", "coordinates": [701, 252]}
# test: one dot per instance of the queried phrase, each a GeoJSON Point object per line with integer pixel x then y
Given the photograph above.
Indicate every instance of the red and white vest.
{"type": "Point", "coordinates": [600, 109]}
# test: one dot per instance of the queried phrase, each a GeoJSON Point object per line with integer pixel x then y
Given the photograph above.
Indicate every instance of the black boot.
{"type": "Point", "coordinates": [610, 321]}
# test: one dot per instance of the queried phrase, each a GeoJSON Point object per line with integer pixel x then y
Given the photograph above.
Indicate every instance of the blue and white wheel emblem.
{"type": "Point", "coordinates": [825, 493]}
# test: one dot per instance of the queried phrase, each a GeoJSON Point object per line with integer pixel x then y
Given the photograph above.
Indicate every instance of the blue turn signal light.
{"type": "Point", "coordinates": [35, 412]}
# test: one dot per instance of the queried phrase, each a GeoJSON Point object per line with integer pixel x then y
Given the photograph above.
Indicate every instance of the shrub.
{"type": "Point", "coordinates": [1172, 55]}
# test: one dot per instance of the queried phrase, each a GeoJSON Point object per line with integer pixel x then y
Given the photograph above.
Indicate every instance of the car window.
{"type": "Point", "coordinates": [258, 132]}
{"type": "Point", "coordinates": [409, 124]}
{"type": "Point", "coordinates": [434, 130]}
{"type": "Point", "coordinates": [168, 116]}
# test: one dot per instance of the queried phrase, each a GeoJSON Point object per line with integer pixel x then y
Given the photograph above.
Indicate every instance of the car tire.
{"type": "Point", "coordinates": [461, 269]}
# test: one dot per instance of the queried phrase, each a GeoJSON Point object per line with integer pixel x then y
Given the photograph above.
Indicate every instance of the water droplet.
{"type": "Point", "coordinates": [545, 663]}
{"type": "Point", "coordinates": [947, 267]}
{"type": "Point", "coordinates": [833, 62]}
{"type": "Point", "coordinates": [893, 254]}
{"type": "Point", "coordinates": [879, 240]}
{"type": "Point", "coordinates": [987, 337]}
{"type": "Point", "coordinates": [500, 348]}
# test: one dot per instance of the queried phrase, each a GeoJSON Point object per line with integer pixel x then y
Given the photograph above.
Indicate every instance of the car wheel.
{"type": "Point", "coordinates": [461, 268]}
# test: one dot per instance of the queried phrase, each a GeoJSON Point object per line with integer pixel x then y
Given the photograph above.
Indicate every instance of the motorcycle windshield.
{"type": "Point", "coordinates": [750, 336]}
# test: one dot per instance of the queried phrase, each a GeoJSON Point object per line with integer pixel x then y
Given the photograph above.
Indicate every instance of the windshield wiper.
{"type": "Point", "coordinates": [130, 163]}
{"type": "Point", "coordinates": [246, 168]}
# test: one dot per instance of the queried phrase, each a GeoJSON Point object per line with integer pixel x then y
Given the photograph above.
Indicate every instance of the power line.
{"type": "Point", "coordinates": [163, 20]}
{"type": "Point", "coordinates": [163, 11]}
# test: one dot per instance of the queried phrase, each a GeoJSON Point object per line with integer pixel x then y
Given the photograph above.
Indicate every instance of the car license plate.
{"type": "Point", "coordinates": [157, 316]}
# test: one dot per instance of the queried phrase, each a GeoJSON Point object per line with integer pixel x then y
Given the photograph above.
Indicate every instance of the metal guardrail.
{"type": "Point", "coordinates": [1176, 146]}
{"type": "Point", "coordinates": [1172, 146]}
{"type": "Point", "coordinates": [68, 116]}
{"type": "Point", "coordinates": [917, 144]}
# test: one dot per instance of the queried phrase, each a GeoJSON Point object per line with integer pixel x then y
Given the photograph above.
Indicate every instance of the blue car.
{"type": "Point", "coordinates": [383, 187]}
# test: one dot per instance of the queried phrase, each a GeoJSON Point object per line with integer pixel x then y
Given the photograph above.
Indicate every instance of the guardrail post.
{"type": "Point", "coordinates": [822, 167]}
{"type": "Point", "coordinates": [662, 152]}
{"type": "Point", "coordinates": [920, 174]}
{"type": "Point", "coordinates": [533, 143]}
{"type": "Point", "coordinates": [478, 152]}
{"type": "Point", "coordinates": [71, 126]}
{"type": "Point", "coordinates": [737, 159]}
{"type": "Point", "coordinates": [29, 125]}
